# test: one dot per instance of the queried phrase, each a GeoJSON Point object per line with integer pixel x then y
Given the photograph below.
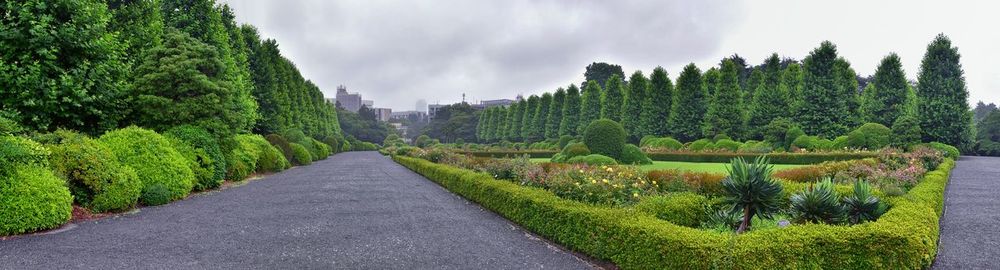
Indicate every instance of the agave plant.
{"type": "Point", "coordinates": [730, 220]}
{"type": "Point", "coordinates": [862, 206]}
{"type": "Point", "coordinates": [818, 204]}
{"type": "Point", "coordinates": [750, 189]}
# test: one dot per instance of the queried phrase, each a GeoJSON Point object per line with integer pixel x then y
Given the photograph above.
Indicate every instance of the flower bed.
{"type": "Point", "coordinates": [714, 157]}
{"type": "Point", "coordinates": [904, 238]}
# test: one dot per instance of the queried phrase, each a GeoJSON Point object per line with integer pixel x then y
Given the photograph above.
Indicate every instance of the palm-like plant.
{"type": "Point", "coordinates": [862, 206]}
{"type": "Point", "coordinates": [750, 189]}
{"type": "Point", "coordinates": [819, 203]}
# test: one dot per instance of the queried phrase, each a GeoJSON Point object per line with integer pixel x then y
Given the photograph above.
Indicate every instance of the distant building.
{"type": "Point", "coordinates": [416, 116]}
{"type": "Point", "coordinates": [421, 106]}
{"type": "Point", "coordinates": [382, 114]}
{"type": "Point", "coordinates": [494, 103]}
{"type": "Point", "coordinates": [433, 109]}
{"type": "Point", "coordinates": [348, 101]}
{"type": "Point", "coordinates": [368, 103]}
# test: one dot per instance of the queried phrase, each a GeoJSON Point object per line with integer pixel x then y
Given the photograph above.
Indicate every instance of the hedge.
{"type": "Point", "coordinates": [32, 198]}
{"type": "Point", "coordinates": [94, 175]}
{"type": "Point", "coordinates": [776, 158]}
{"type": "Point", "coordinates": [301, 155]}
{"type": "Point", "coordinates": [904, 238]}
{"type": "Point", "coordinates": [203, 141]}
{"type": "Point", "coordinates": [154, 160]}
{"type": "Point", "coordinates": [511, 154]}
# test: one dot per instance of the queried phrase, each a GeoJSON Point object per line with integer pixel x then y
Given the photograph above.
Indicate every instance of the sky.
{"type": "Point", "coordinates": [397, 52]}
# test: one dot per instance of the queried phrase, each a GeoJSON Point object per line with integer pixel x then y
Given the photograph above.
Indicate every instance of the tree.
{"type": "Point", "coordinates": [601, 72]}
{"type": "Point", "coordinates": [612, 100]}
{"type": "Point", "coordinates": [482, 125]}
{"type": "Point", "coordinates": [181, 82]}
{"type": "Point", "coordinates": [824, 108]}
{"type": "Point", "coordinates": [982, 110]}
{"type": "Point", "coordinates": [454, 123]}
{"type": "Point", "coordinates": [725, 113]}
{"type": "Point", "coordinates": [514, 120]}
{"type": "Point", "coordinates": [554, 118]}
{"type": "Point", "coordinates": [590, 108]}
{"type": "Point", "coordinates": [496, 124]}
{"type": "Point", "coordinates": [529, 130]}
{"type": "Point", "coordinates": [60, 67]}
{"type": "Point", "coordinates": [943, 97]}
{"type": "Point", "coordinates": [770, 101]}
{"type": "Point", "coordinates": [631, 118]}
{"type": "Point", "coordinates": [570, 112]}
{"type": "Point", "coordinates": [541, 115]}
{"type": "Point", "coordinates": [889, 86]}
{"type": "Point", "coordinates": [753, 83]}
{"type": "Point", "coordinates": [989, 128]}
{"type": "Point", "coordinates": [689, 106]}
{"type": "Point", "coordinates": [711, 84]}
{"type": "Point", "coordinates": [791, 83]}
{"type": "Point", "coordinates": [656, 106]}
{"type": "Point", "coordinates": [846, 85]}
{"type": "Point", "coordinates": [139, 25]}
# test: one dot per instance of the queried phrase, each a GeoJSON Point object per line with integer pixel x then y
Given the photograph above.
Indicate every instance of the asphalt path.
{"type": "Point", "coordinates": [970, 227]}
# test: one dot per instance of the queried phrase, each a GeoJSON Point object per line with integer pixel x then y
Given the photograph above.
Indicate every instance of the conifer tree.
{"type": "Point", "coordinates": [499, 116]}
{"type": "Point", "coordinates": [508, 123]}
{"type": "Point", "coordinates": [590, 108]}
{"type": "Point", "coordinates": [944, 106]}
{"type": "Point", "coordinates": [689, 106]}
{"type": "Point", "coordinates": [514, 132]}
{"type": "Point", "coordinates": [554, 118]}
{"type": "Point", "coordinates": [770, 101]}
{"type": "Point", "coordinates": [847, 86]}
{"type": "Point", "coordinates": [725, 113]}
{"type": "Point", "coordinates": [711, 78]}
{"type": "Point", "coordinates": [824, 107]}
{"type": "Point", "coordinates": [631, 118]}
{"type": "Point", "coordinates": [528, 128]}
{"type": "Point", "coordinates": [791, 83]}
{"type": "Point", "coordinates": [612, 99]}
{"type": "Point", "coordinates": [481, 125]}
{"type": "Point", "coordinates": [752, 84]}
{"type": "Point", "coordinates": [656, 106]}
{"type": "Point", "coordinates": [889, 90]}
{"type": "Point", "coordinates": [570, 111]}
{"type": "Point", "coordinates": [541, 115]}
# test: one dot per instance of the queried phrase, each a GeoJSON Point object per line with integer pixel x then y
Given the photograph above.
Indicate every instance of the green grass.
{"type": "Point", "coordinates": [689, 166]}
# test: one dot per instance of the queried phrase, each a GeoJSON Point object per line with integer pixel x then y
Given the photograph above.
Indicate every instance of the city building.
{"type": "Point", "coordinates": [415, 116]}
{"type": "Point", "coordinates": [493, 103]}
{"type": "Point", "coordinates": [421, 105]}
{"type": "Point", "coordinates": [368, 103]}
{"type": "Point", "coordinates": [382, 114]}
{"type": "Point", "coordinates": [432, 109]}
{"type": "Point", "coordinates": [348, 101]}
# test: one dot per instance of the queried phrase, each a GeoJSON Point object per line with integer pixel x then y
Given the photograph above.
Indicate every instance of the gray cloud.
{"type": "Point", "coordinates": [396, 52]}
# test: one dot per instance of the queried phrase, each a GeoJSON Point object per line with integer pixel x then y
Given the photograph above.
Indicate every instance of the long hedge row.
{"type": "Point", "coordinates": [714, 157]}
{"type": "Point", "coordinates": [904, 238]}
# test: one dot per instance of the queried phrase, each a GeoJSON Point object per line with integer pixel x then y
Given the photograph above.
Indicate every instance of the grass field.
{"type": "Point", "coordinates": [689, 166]}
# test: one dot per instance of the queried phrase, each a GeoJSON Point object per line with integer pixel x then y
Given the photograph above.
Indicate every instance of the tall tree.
{"type": "Point", "coordinates": [601, 72]}
{"type": "Point", "coordinates": [889, 94]}
{"type": "Point", "coordinates": [770, 101]}
{"type": "Point", "coordinates": [482, 125]}
{"type": "Point", "coordinates": [791, 83]}
{"type": "Point", "coordinates": [689, 106]}
{"type": "Point", "coordinates": [508, 124]}
{"type": "Point", "coordinates": [60, 67]}
{"type": "Point", "coordinates": [612, 99]}
{"type": "Point", "coordinates": [725, 113]}
{"type": "Point", "coordinates": [753, 83]}
{"type": "Point", "coordinates": [943, 97]}
{"type": "Point", "coordinates": [496, 124]}
{"type": "Point", "coordinates": [590, 108]}
{"type": "Point", "coordinates": [139, 25]}
{"type": "Point", "coordinates": [528, 128]}
{"type": "Point", "coordinates": [554, 118]}
{"type": "Point", "coordinates": [541, 115]}
{"type": "Point", "coordinates": [514, 133]}
{"type": "Point", "coordinates": [656, 106]}
{"type": "Point", "coordinates": [982, 110]}
{"type": "Point", "coordinates": [846, 85]}
{"type": "Point", "coordinates": [824, 107]}
{"type": "Point", "coordinates": [631, 118]}
{"type": "Point", "coordinates": [711, 78]}
{"type": "Point", "coordinates": [570, 111]}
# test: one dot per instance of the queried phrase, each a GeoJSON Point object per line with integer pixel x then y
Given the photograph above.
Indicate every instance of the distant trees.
{"type": "Point", "coordinates": [944, 107]}
{"type": "Point", "coordinates": [529, 127]}
{"type": "Point", "coordinates": [554, 118]}
{"type": "Point", "coordinates": [886, 96]}
{"type": "Point", "coordinates": [601, 72]}
{"type": "Point", "coordinates": [771, 100]}
{"type": "Point", "coordinates": [632, 106]}
{"type": "Point", "coordinates": [725, 114]}
{"type": "Point", "coordinates": [590, 108]}
{"type": "Point", "coordinates": [690, 105]}
{"type": "Point", "coordinates": [612, 99]}
{"type": "Point", "coordinates": [824, 109]}
{"type": "Point", "coordinates": [570, 112]}
{"type": "Point", "coordinates": [656, 106]}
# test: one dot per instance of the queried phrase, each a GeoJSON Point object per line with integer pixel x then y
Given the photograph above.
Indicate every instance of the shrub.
{"type": "Point", "coordinates": [294, 135]}
{"type": "Point", "coordinates": [699, 145]}
{"type": "Point", "coordinates": [322, 151]}
{"type": "Point", "coordinates": [684, 208]}
{"type": "Point", "coordinates": [605, 137]}
{"type": "Point", "coordinates": [869, 136]}
{"type": "Point", "coordinates": [206, 146]}
{"type": "Point", "coordinates": [863, 206]}
{"type": "Point", "coordinates": [750, 189]}
{"type": "Point", "coordinates": [241, 154]}
{"type": "Point", "coordinates": [719, 137]}
{"type": "Point", "coordinates": [948, 150]}
{"type": "Point", "coordinates": [392, 140]}
{"type": "Point", "coordinates": [153, 158]}
{"type": "Point", "coordinates": [592, 160]}
{"type": "Point", "coordinates": [906, 131]}
{"type": "Point", "coordinates": [631, 154]}
{"type": "Point", "coordinates": [755, 147]}
{"type": "Point", "coordinates": [155, 195]}
{"type": "Point", "coordinates": [282, 144]}
{"type": "Point", "coordinates": [838, 143]}
{"type": "Point", "coordinates": [775, 131]}
{"type": "Point", "coordinates": [421, 141]}
{"type": "Point", "coordinates": [9, 127]}
{"type": "Point", "coordinates": [727, 145]}
{"type": "Point", "coordinates": [805, 142]}
{"type": "Point", "coordinates": [818, 204]}
{"type": "Point", "coordinates": [791, 135]}
{"type": "Point", "coordinates": [198, 161]}
{"type": "Point", "coordinates": [575, 150]}
{"type": "Point", "coordinates": [300, 154]}
{"type": "Point", "coordinates": [15, 151]}
{"type": "Point", "coordinates": [334, 144]}
{"type": "Point", "coordinates": [564, 140]}
{"type": "Point", "coordinates": [346, 146]}
{"type": "Point", "coordinates": [599, 184]}
{"type": "Point", "coordinates": [32, 199]}
{"type": "Point", "coordinates": [645, 140]}
{"type": "Point", "coordinates": [665, 143]}
{"type": "Point", "coordinates": [94, 175]}
{"type": "Point", "coordinates": [269, 158]}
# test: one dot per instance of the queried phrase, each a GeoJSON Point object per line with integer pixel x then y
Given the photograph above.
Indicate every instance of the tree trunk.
{"type": "Point", "coordinates": [746, 220]}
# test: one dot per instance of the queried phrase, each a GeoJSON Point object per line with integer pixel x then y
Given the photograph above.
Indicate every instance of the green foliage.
{"type": "Point", "coordinates": [18, 151]}
{"type": "Point", "coordinates": [948, 150]}
{"type": "Point", "coordinates": [791, 84]}
{"type": "Point", "coordinates": [529, 131]}
{"type": "Point", "coordinates": [592, 160]}
{"type": "Point", "coordinates": [540, 116]}
{"type": "Point", "coordinates": [631, 154]}
{"type": "Point", "coordinates": [818, 204]}
{"type": "Point", "coordinates": [631, 118]}
{"type": "Point", "coordinates": [943, 96]}
{"type": "Point", "coordinates": [60, 67]}
{"type": "Point", "coordinates": [602, 72]}
{"type": "Point", "coordinates": [154, 195]}
{"type": "Point", "coordinates": [564, 140]}
{"type": "Point", "coordinates": [770, 101]}
{"type": "Point", "coordinates": [517, 116]}
{"type": "Point", "coordinates": [689, 106]}
{"type": "Point", "coordinates": [824, 109]}
{"type": "Point", "coordinates": [334, 145]}
{"type": "Point", "coordinates": [806, 142]}
{"type": "Point", "coordinates": [699, 145]}
{"type": "Point", "coordinates": [570, 112]}
{"type": "Point", "coordinates": [685, 208]}
{"type": "Point", "coordinates": [32, 199]}
{"type": "Point", "coordinates": [9, 127]}
{"type": "Point", "coordinates": [422, 141]}
{"type": "Point", "coordinates": [871, 136]}
{"type": "Point", "coordinates": [139, 25]}
{"type": "Point", "coordinates": [93, 174]}
{"type": "Point", "coordinates": [570, 151]}
{"type": "Point", "coordinates": [268, 157]}
{"type": "Point", "coordinates": [888, 94]}
{"type": "Point", "coordinates": [590, 108]}
{"type": "Point", "coordinates": [605, 137]}
{"type": "Point", "coordinates": [751, 190]}
{"type": "Point", "coordinates": [203, 151]}
{"type": "Point", "coordinates": [863, 206]}
{"type": "Point", "coordinates": [775, 131]}
{"type": "Point", "coordinates": [241, 158]}
{"type": "Point", "coordinates": [793, 134]}
{"type": "Point", "coordinates": [612, 98]}
{"type": "Point", "coordinates": [554, 118]}
{"type": "Point", "coordinates": [728, 145]}
{"type": "Point", "coordinates": [300, 154]}
{"type": "Point", "coordinates": [153, 158]}
{"type": "Point", "coordinates": [656, 107]}
{"type": "Point", "coordinates": [283, 145]}
{"type": "Point", "coordinates": [665, 143]}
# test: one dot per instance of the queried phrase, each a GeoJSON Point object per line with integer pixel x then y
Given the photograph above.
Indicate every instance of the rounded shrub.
{"type": "Point", "coordinates": [699, 145]}
{"type": "Point", "coordinates": [719, 137]}
{"type": "Point", "coordinates": [207, 147]}
{"type": "Point", "coordinates": [421, 141]}
{"type": "Point", "coordinates": [282, 144]}
{"type": "Point", "coordinates": [269, 158]}
{"type": "Point", "coordinates": [346, 147]}
{"type": "Point", "coordinates": [570, 151]}
{"type": "Point", "coordinates": [334, 144]}
{"type": "Point", "coordinates": [631, 154]}
{"type": "Point", "coordinates": [665, 143]}
{"type": "Point", "coordinates": [301, 155]}
{"type": "Point", "coordinates": [200, 163]}
{"type": "Point", "coordinates": [775, 131]}
{"type": "Point", "coordinates": [320, 149]}
{"type": "Point", "coordinates": [32, 198]}
{"type": "Point", "coordinates": [15, 151]}
{"type": "Point", "coordinates": [241, 154]}
{"type": "Point", "coordinates": [793, 134]}
{"type": "Point", "coordinates": [645, 140]}
{"type": "Point", "coordinates": [605, 137]}
{"type": "Point", "coordinates": [593, 160]}
{"type": "Point", "coordinates": [805, 142]}
{"type": "Point", "coordinates": [948, 150]}
{"type": "Point", "coordinates": [564, 140]}
{"type": "Point", "coordinates": [153, 158]}
{"type": "Point", "coordinates": [728, 145]}
{"type": "Point", "coordinates": [869, 136]}
{"type": "Point", "coordinates": [95, 177]}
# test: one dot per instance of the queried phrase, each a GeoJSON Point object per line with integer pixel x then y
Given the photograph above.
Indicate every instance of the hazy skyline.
{"type": "Point", "coordinates": [398, 52]}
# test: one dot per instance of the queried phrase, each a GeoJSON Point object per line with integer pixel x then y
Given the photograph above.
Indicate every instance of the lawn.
{"type": "Point", "coordinates": [690, 166]}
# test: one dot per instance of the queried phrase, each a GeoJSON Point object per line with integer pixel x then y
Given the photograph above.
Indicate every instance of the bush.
{"type": "Point", "coordinates": [198, 161]}
{"type": "Point", "coordinates": [699, 145]}
{"type": "Point", "coordinates": [269, 158]}
{"type": "Point", "coordinates": [948, 150]}
{"type": "Point", "coordinates": [906, 131]}
{"type": "Point", "coordinates": [727, 145]}
{"type": "Point", "coordinates": [301, 155]}
{"type": "Point", "coordinates": [282, 144]}
{"type": "Point", "coordinates": [155, 195]}
{"type": "Point", "coordinates": [818, 204]}
{"type": "Point", "coordinates": [421, 141]}
{"type": "Point", "coordinates": [331, 141]}
{"type": "Point", "coordinates": [564, 140]}
{"type": "Point", "coordinates": [241, 154]}
{"type": "Point", "coordinates": [32, 199]}
{"type": "Point", "coordinates": [15, 151]}
{"type": "Point", "coordinates": [322, 151]}
{"type": "Point", "coordinates": [605, 137]}
{"type": "Point", "coordinates": [805, 142]}
{"type": "Point", "coordinates": [570, 151]}
{"type": "Point", "coordinates": [869, 136]}
{"type": "Point", "coordinates": [94, 175]}
{"type": "Point", "coordinates": [206, 146]}
{"type": "Point", "coordinates": [9, 127]}
{"type": "Point", "coordinates": [153, 158]}
{"type": "Point", "coordinates": [755, 147]}
{"type": "Point", "coordinates": [719, 137]}
{"type": "Point", "coordinates": [645, 140]}
{"type": "Point", "coordinates": [751, 190]}
{"type": "Point", "coordinates": [631, 154]}
{"type": "Point", "coordinates": [684, 208]}
{"type": "Point", "coordinates": [664, 143]}
{"type": "Point", "coordinates": [592, 160]}
{"type": "Point", "coordinates": [791, 135]}
{"type": "Point", "coordinates": [775, 131]}
{"type": "Point", "coordinates": [777, 158]}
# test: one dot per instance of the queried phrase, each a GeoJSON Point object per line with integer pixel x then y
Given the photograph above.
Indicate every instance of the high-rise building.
{"type": "Point", "coordinates": [383, 114]}
{"type": "Point", "coordinates": [368, 103]}
{"type": "Point", "coordinates": [421, 105]}
{"type": "Point", "coordinates": [348, 101]}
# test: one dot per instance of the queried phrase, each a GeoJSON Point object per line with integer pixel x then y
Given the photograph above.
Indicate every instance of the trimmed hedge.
{"type": "Point", "coordinates": [202, 165]}
{"type": "Point", "coordinates": [592, 160]}
{"type": "Point", "coordinates": [202, 141]}
{"type": "Point", "coordinates": [904, 238]}
{"type": "Point", "coordinates": [300, 154]}
{"type": "Point", "coordinates": [631, 154]}
{"type": "Point", "coordinates": [776, 158]}
{"type": "Point", "coordinates": [241, 158]}
{"type": "Point", "coordinates": [511, 154]}
{"type": "Point", "coordinates": [95, 177]}
{"type": "Point", "coordinates": [268, 158]}
{"type": "Point", "coordinates": [282, 144]}
{"type": "Point", "coordinates": [32, 198]}
{"type": "Point", "coordinates": [153, 158]}
{"type": "Point", "coordinates": [683, 208]}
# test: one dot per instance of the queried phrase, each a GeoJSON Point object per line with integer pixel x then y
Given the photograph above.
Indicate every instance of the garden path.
{"type": "Point", "coordinates": [971, 221]}
{"type": "Point", "coordinates": [357, 210]}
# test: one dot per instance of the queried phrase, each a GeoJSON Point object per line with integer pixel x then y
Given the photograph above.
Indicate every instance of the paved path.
{"type": "Point", "coordinates": [970, 228]}
{"type": "Point", "coordinates": [355, 210]}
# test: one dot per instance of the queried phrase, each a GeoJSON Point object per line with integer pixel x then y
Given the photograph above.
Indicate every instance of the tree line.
{"type": "Point", "coordinates": [821, 94]}
{"type": "Point", "coordinates": [94, 65]}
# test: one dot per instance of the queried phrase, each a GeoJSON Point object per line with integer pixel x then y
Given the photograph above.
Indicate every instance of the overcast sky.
{"type": "Point", "coordinates": [396, 52]}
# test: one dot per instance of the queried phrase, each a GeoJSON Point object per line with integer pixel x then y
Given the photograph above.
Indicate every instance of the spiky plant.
{"type": "Point", "coordinates": [862, 206]}
{"type": "Point", "coordinates": [818, 204]}
{"type": "Point", "coordinates": [750, 189]}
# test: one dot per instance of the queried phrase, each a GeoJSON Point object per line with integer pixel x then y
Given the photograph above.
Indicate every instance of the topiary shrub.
{"type": "Point", "coordinates": [207, 151]}
{"type": "Point", "coordinates": [631, 154]}
{"type": "Point", "coordinates": [775, 131]}
{"type": "Point", "coordinates": [32, 199]}
{"type": "Point", "coordinates": [592, 160]}
{"type": "Point", "coordinates": [793, 134]}
{"type": "Point", "coordinates": [333, 143]}
{"type": "Point", "coordinates": [906, 131]}
{"type": "Point", "coordinates": [727, 145]}
{"type": "Point", "coordinates": [564, 140]}
{"type": "Point", "coordinates": [869, 136]}
{"type": "Point", "coordinates": [570, 151]}
{"type": "Point", "coordinates": [346, 147]}
{"type": "Point", "coordinates": [95, 177]}
{"type": "Point", "coordinates": [645, 140]}
{"type": "Point", "coordinates": [282, 144]}
{"type": "Point", "coordinates": [242, 155]}
{"type": "Point", "coordinates": [153, 158]}
{"type": "Point", "coordinates": [665, 143]}
{"type": "Point", "coordinates": [683, 208]}
{"type": "Point", "coordinates": [269, 158]}
{"type": "Point", "coordinates": [421, 141]}
{"type": "Point", "coordinates": [15, 151]}
{"type": "Point", "coordinates": [699, 145]}
{"type": "Point", "coordinates": [320, 149]}
{"type": "Point", "coordinates": [605, 137]}
{"type": "Point", "coordinates": [301, 155]}
{"type": "Point", "coordinates": [805, 142]}
{"type": "Point", "coordinates": [200, 163]}
{"type": "Point", "coordinates": [948, 150]}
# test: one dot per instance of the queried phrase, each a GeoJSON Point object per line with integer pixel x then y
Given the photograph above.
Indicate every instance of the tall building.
{"type": "Point", "coordinates": [415, 116]}
{"type": "Point", "coordinates": [421, 105]}
{"type": "Point", "coordinates": [383, 114]}
{"type": "Point", "coordinates": [368, 103]}
{"type": "Point", "coordinates": [433, 109]}
{"type": "Point", "coordinates": [349, 101]}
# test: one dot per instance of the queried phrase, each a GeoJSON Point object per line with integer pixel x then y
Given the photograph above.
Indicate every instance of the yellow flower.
{"type": "Point", "coordinates": [610, 169]}
{"type": "Point", "coordinates": [635, 195]}
{"type": "Point", "coordinates": [592, 181]}
{"type": "Point", "coordinates": [654, 182]}
{"type": "Point", "coordinates": [604, 180]}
